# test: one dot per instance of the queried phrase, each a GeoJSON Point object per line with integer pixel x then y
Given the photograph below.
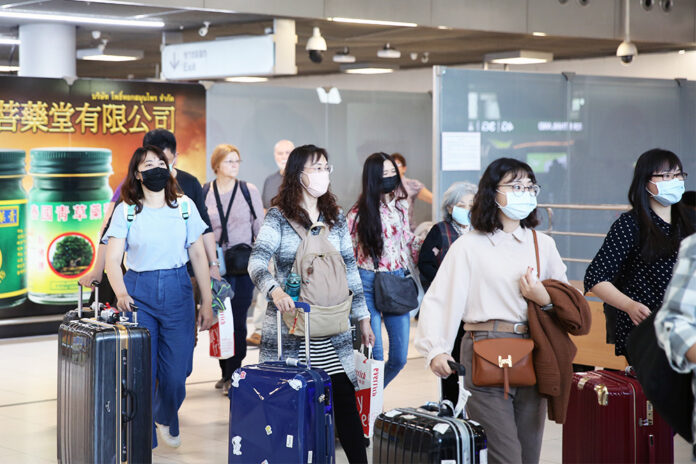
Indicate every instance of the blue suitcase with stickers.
{"type": "Point", "coordinates": [282, 411]}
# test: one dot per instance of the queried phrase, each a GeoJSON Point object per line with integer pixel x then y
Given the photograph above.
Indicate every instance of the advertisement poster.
{"type": "Point", "coordinates": [76, 141]}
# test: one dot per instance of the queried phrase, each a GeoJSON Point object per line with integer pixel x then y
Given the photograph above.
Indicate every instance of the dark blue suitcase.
{"type": "Point", "coordinates": [281, 411]}
{"type": "Point", "coordinates": [104, 391]}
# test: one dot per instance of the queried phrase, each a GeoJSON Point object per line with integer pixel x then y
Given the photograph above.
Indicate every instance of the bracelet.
{"type": "Point", "coordinates": [214, 263]}
{"type": "Point", "coordinates": [546, 307]}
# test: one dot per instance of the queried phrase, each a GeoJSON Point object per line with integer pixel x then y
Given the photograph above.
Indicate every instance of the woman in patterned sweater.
{"type": "Point", "coordinates": [305, 198]}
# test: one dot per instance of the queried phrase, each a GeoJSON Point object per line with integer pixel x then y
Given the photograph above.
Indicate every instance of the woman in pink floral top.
{"type": "Point", "coordinates": [379, 226]}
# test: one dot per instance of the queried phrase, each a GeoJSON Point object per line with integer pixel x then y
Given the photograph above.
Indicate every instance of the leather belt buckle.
{"type": "Point", "coordinates": [520, 328]}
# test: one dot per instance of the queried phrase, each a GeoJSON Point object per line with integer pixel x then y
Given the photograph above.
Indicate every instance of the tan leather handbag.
{"type": "Point", "coordinates": [505, 362]}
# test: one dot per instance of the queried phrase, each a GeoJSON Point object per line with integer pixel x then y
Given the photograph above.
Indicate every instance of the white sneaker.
{"type": "Point", "coordinates": [164, 435]}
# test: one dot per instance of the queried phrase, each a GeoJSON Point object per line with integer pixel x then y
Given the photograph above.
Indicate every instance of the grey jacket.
{"type": "Point", "coordinates": [278, 240]}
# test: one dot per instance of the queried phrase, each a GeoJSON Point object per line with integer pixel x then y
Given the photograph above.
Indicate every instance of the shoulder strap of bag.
{"type": "Point", "coordinates": [300, 230]}
{"type": "Point", "coordinates": [247, 197]}
{"type": "Point", "coordinates": [184, 207]}
{"type": "Point", "coordinates": [206, 189]}
{"type": "Point", "coordinates": [224, 217]}
{"type": "Point", "coordinates": [536, 253]}
{"type": "Point", "coordinates": [446, 236]}
{"type": "Point", "coordinates": [129, 214]}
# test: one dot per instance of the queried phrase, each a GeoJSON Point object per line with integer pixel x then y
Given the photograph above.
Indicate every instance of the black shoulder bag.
{"type": "Point", "coordinates": [237, 256]}
{"type": "Point", "coordinates": [394, 294]}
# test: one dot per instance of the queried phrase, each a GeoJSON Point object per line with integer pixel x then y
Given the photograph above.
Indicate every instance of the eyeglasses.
{"type": "Point", "coordinates": [519, 189]}
{"type": "Point", "coordinates": [671, 175]}
{"type": "Point", "coordinates": [233, 162]}
{"type": "Point", "coordinates": [328, 168]}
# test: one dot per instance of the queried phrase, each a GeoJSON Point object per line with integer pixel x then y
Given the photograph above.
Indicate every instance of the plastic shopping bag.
{"type": "Point", "coordinates": [222, 332]}
{"type": "Point", "coordinates": [370, 393]}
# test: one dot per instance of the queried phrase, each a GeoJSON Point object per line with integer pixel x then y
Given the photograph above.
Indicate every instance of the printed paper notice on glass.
{"type": "Point", "coordinates": [461, 151]}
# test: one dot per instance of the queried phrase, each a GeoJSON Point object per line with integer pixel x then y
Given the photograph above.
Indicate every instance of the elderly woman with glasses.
{"type": "Point", "coordinates": [456, 207]}
{"type": "Point", "coordinates": [486, 281]}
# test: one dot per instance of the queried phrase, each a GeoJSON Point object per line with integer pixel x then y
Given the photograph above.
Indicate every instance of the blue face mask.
{"type": "Point", "coordinates": [669, 192]}
{"type": "Point", "coordinates": [461, 216]}
{"type": "Point", "coordinates": [518, 207]}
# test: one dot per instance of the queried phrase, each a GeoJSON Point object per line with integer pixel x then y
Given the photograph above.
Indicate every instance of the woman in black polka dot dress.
{"type": "Point", "coordinates": [634, 265]}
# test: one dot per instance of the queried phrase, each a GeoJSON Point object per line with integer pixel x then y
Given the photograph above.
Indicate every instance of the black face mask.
{"type": "Point", "coordinates": [155, 179]}
{"type": "Point", "coordinates": [389, 184]}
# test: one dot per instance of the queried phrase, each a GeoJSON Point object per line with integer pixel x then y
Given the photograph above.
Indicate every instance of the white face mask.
{"type": "Point", "coordinates": [518, 207]}
{"type": "Point", "coordinates": [669, 192]}
{"type": "Point", "coordinates": [318, 183]}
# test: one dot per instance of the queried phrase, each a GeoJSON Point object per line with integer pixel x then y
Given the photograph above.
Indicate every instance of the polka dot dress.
{"type": "Point", "coordinates": [619, 261]}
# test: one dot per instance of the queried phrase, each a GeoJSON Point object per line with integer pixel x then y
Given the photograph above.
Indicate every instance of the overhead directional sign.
{"type": "Point", "coordinates": [240, 56]}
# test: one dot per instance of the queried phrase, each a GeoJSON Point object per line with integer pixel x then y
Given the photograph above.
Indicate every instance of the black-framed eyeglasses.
{"type": "Point", "coordinates": [671, 175]}
{"type": "Point", "coordinates": [519, 189]}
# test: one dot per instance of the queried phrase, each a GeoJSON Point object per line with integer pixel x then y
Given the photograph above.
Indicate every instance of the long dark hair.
{"type": "Point", "coordinates": [132, 189]}
{"type": "Point", "coordinates": [368, 219]}
{"type": "Point", "coordinates": [654, 244]}
{"type": "Point", "coordinates": [289, 198]}
{"type": "Point", "coordinates": [484, 213]}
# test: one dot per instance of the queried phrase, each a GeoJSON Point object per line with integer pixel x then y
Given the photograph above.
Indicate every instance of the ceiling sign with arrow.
{"type": "Point", "coordinates": [240, 56]}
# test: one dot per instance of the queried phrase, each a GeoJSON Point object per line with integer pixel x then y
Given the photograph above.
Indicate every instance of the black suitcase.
{"type": "Point", "coordinates": [430, 434]}
{"type": "Point", "coordinates": [104, 392]}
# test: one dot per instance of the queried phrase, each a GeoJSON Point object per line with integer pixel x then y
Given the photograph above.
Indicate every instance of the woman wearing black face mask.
{"type": "Point", "coordinates": [381, 235]}
{"type": "Point", "coordinates": [161, 230]}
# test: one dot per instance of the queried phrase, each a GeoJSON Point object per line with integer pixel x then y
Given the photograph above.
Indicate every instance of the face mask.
{"type": "Point", "coordinates": [155, 179]}
{"type": "Point", "coordinates": [518, 208]}
{"type": "Point", "coordinates": [669, 192]}
{"type": "Point", "coordinates": [461, 216]}
{"type": "Point", "coordinates": [389, 184]}
{"type": "Point", "coordinates": [318, 183]}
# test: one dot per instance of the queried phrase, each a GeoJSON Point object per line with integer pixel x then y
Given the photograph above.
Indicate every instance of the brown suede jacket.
{"type": "Point", "coordinates": [553, 349]}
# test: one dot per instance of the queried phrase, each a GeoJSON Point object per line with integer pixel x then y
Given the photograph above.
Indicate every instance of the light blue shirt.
{"type": "Point", "coordinates": [158, 238]}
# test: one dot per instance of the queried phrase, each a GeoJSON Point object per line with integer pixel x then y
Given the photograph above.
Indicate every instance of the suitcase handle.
{"type": "Point", "coordinates": [95, 284]}
{"type": "Point", "coordinates": [306, 308]}
{"type": "Point", "coordinates": [134, 402]}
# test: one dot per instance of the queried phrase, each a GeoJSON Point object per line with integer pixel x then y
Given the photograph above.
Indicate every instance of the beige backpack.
{"type": "Point", "coordinates": [324, 284]}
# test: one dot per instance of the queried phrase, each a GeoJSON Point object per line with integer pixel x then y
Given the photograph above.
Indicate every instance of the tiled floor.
{"type": "Point", "coordinates": [28, 406]}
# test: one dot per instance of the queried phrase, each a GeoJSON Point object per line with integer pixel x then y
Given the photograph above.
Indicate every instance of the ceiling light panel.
{"type": "Point", "coordinates": [375, 22]}
{"type": "Point", "coordinates": [518, 57]}
{"type": "Point", "coordinates": [368, 68]}
{"type": "Point", "coordinates": [9, 41]}
{"type": "Point", "coordinates": [246, 79]}
{"type": "Point", "coordinates": [80, 19]}
{"type": "Point", "coordinates": [109, 54]}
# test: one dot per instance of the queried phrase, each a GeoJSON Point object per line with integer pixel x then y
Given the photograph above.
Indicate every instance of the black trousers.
{"type": "Point", "coordinates": [243, 289]}
{"type": "Point", "coordinates": [348, 426]}
{"type": "Point", "coordinates": [450, 385]}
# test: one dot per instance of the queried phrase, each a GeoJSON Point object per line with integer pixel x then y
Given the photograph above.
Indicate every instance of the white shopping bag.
{"type": "Point", "coordinates": [370, 393]}
{"type": "Point", "coordinates": [222, 332]}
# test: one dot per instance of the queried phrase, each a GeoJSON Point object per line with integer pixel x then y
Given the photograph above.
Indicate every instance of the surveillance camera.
{"type": "Point", "coordinates": [203, 31]}
{"type": "Point", "coordinates": [315, 56]}
{"type": "Point", "coordinates": [626, 52]}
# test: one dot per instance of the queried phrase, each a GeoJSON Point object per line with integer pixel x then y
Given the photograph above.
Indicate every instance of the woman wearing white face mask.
{"type": "Point", "coordinates": [305, 199]}
{"type": "Point", "coordinates": [634, 265]}
{"type": "Point", "coordinates": [486, 281]}
{"type": "Point", "coordinates": [456, 207]}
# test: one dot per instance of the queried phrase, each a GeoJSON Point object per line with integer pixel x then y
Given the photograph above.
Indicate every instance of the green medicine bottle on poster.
{"type": "Point", "coordinates": [66, 210]}
{"type": "Point", "coordinates": [13, 247]}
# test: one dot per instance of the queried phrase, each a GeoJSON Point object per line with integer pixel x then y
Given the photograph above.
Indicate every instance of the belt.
{"type": "Point", "coordinates": [497, 326]}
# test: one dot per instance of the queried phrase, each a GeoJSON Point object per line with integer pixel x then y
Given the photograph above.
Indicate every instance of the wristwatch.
{"type": "Point", "coordinates": [214, 263]}
{"type": "Point", "coordinates": [547, 307]}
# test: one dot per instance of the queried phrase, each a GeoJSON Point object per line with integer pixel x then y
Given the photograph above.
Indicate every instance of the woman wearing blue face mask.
{"type": "Point", "coordinates": [486, 281]}
{"type": "Point", "coordinates": [456, 206]}
{"type": "Point", "coordinates": [634, 265]}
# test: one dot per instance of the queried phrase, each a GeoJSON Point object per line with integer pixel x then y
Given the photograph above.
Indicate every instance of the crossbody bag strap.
{"type": "Point", "coordinates": [247, 197]}
{"type": "Point", "coordinates": [536, 253]}
{"type": "Point", "coordinates": [224, 217]}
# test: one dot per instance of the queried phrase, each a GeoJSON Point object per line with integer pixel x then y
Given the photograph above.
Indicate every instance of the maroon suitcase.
{"type": "Point", "coordinates": [610, 421]}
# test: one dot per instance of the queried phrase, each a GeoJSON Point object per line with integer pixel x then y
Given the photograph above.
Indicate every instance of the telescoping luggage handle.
{"type": "Point", "coordinates": [445, 407]}
{"type": "Point", "coordinates": [97, 306]}
{"type": "Point", "coordinates": [304, 307]}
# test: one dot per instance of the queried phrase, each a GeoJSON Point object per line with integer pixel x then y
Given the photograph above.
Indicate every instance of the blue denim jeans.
{"type": "Point", "coordinates": [397, 329]}
{"type": "Point", "coordinates": [165, 307]}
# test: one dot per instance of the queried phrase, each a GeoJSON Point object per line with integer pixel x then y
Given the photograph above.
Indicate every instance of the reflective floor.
{"type": "Point", "coordinates": [28, 406]}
